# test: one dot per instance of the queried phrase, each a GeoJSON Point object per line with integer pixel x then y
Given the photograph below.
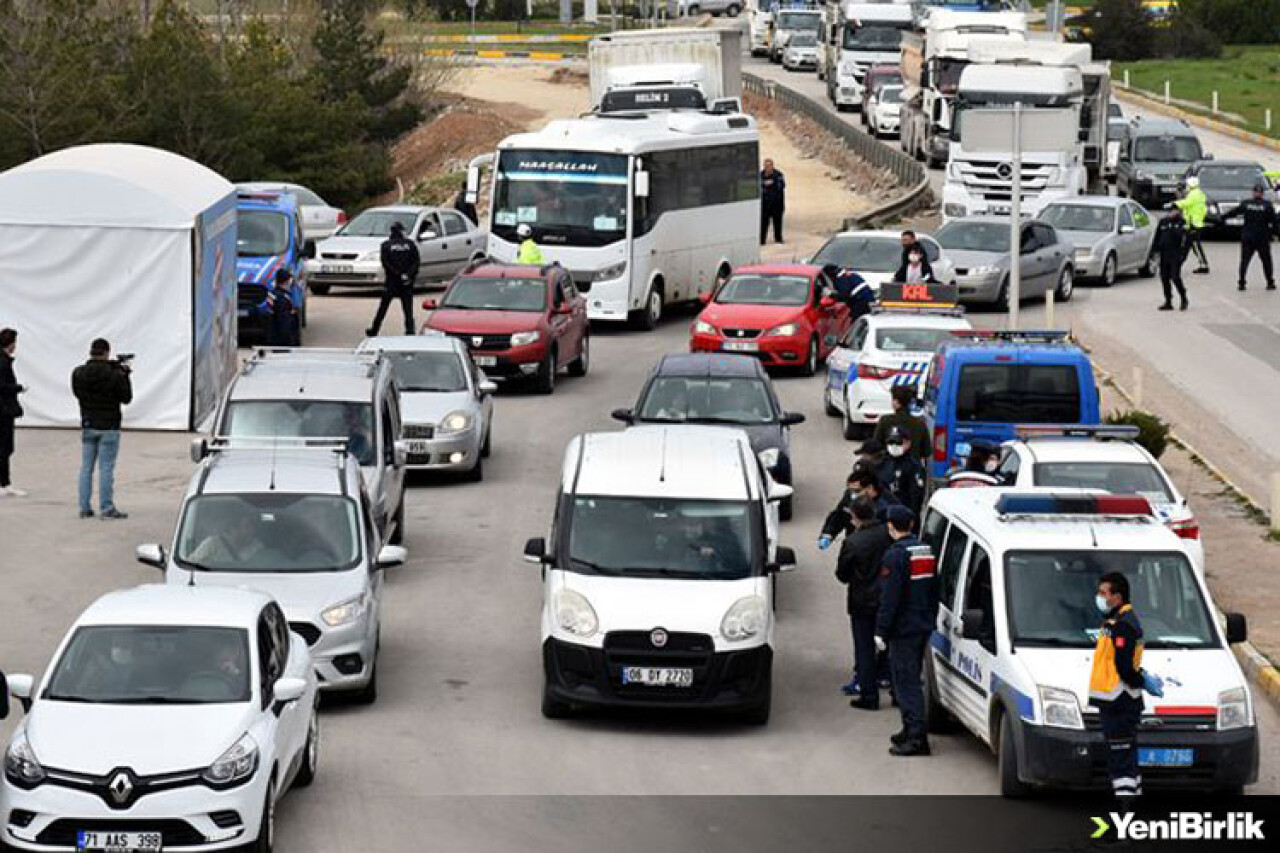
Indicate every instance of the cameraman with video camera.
{"type": "Point", "coordinates": [102, 386]}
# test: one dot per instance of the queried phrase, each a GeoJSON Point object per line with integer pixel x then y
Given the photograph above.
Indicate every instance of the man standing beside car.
{"type": "Point", "coordinates": [1260, 222]}
{"type": "Point", "coordinates": [400, 262]}
{"type": "Point", "coordinates": [102, 386]}
{"type": "Point", "coordinates": [858, 568]}
{"type": "Point", "coordinates": [773, 202]}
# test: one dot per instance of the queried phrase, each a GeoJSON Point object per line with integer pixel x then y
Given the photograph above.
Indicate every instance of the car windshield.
{"type": "Point", "coordinates": [961, 236]}
{"type": "Point", "coordinates": [871, 38]}
{"type": "Point", "coordinates": [658, 537]}
{"type": "Point", "coordinates": [910, 340]}
{"type": "Point", "coordinates": [260, 233]}
{"type": "Point", "coordinates": [153, 665]}
{"type": "Point", "coordinates": [304, 419]}
{"type": "Point", "coordinates": [1230, 177]}
{"type": "Point", "coordinates": [890, 94]}
{"type": "Point", "coordinates": [268, 532]}
{"type": "Point", "coordinates": [427, 371]}
{"type": "Point", "coordinates": [1051, 598]}
{"type": "Point", "coordinates": [1018, 393]}
{"type": "Point", "coordinates": [803, 40]}
{"type": "Point", "coordinates": [799, 21]}
{"type": "Point", "coordinates": [1166, 149]}
{"type": "Point", "coordinates": [1121, 478]}
{"type": "Point", "coordinates": [765, 290]}
{"type": "Point", "coordinates": [377, 223]}
{"type": "Point", "coordinates": [708, 399]}
{"type": "Point", "coordinates": [497, 294]}
{"type": "Point", "coordinates": [863, 254]}
{"type": "Point", "coordinates": [568, 198]}
{"type": "Point", "coordinates": [1079, 217]}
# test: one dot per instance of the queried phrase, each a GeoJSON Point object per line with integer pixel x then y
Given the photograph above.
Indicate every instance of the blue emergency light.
{"type": "Point", "coordinates": [1053, 504]}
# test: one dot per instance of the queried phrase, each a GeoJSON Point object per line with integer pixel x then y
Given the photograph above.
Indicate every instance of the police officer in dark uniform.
{"type": "Point", "coordinates": [283, 329]}
{"type": "Point", "coordinates": [1255, 236]}
{"type": "Point", "coordinates": [1171, 245]}
{"type": "Point", "coordinates": [851, 289]}
{"type": "Point", "coordinates": [858, 567]}
{"type": "Point", "coordinates": [905, 617]}
{"type": "Point", "coordinates": [773, 201]}
{"type": "Point", "coordinates": [1116, 683]}
{"type": "Point", "coordinates": [903, 473]}
{"type": "Point", "coordinates": [400, 261]}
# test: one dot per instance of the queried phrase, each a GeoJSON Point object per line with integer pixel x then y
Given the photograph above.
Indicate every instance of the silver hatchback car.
{"type": "Point", "coordinates": [446, 402]}
{"type": "Point", "coordinates": [1112, 236]}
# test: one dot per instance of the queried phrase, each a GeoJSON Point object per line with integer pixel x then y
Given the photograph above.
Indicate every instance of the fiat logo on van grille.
{"type": "Point", "coordinates": [658, 637]}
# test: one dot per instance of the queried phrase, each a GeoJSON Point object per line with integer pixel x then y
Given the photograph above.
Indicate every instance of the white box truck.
{"type": "Point", "coordinates": [676, 68]}
{"type": "Point", "coordinates": [856, 36]}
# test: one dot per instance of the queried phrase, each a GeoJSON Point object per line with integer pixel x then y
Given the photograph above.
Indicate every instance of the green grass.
{"type": "Point", "coordinates": [1247, 80]}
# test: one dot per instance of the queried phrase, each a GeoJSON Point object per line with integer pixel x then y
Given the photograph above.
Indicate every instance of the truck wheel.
{"type": "Point", "coordinates": [1010, 785]}
{"type": "Point", "coordinates": [647, 317]}
{"type": "Point", "coordinates": [319, 289]}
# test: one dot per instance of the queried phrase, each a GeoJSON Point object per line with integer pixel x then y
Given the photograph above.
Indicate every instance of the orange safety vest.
{"type": "Point", "coordinates": [1105, 684]}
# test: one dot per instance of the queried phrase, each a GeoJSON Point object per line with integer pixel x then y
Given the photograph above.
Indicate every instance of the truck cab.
{"type": "Point", "coordinates": [789, 20]}
{"type": "Point", "coordinates": [269, 238]}
{"type": "Point", "coordinates": [855, 37]}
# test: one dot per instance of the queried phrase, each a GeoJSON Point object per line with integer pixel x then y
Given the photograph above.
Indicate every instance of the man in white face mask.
{"type": "Point", "coordinates": [902, 472]}
{"type": "Point", "coordinates": [979, 468]}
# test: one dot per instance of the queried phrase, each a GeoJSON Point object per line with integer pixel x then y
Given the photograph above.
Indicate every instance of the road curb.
{"type": "Point", "coordinates": [1261, 671]}
{"type": "Point", "coordinates": [1222, 127]}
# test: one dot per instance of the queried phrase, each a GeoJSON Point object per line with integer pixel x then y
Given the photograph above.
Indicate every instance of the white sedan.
{"type": "Point", "coordinates": [884, 111]}
{"type": "Point", "coordinates": [876, 255]}
{"type": "Point", "coordinates": [319, 218]}
{"type": "Point", "coordinates": [171, 717]}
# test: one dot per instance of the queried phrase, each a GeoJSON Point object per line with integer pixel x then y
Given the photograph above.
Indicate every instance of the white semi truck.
{"type": "Point", "coordinates": [676, 68]}
{"type": "Point", "coordinates": [933, 57]}
{"type": "Point", "coordinates": [759, 26]}
{"type": "Point", "coordinates": [856, 36]}
{"type": "Point", "coordinates": [1064, 96]}
{"type": "Point", "coordinates": [789, 20]}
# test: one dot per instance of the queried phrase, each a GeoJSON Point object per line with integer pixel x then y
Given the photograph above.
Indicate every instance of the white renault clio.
{"type": "Point", "coordinates": [658, 577]}
{"type": "Point", "coordinates": [172, 717]}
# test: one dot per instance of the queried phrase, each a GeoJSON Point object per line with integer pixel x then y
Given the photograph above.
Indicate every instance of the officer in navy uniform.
{"type": "Point", "coordinates": [1171, 245]}
{"type": "Point", "coordinates": [1260, 223]}
{"type": "Point", "coordinates": [851, 289]}
{"type": "Point", "coordinates": [906, 616]}
{"type": "Point", "coordinates": [400, 262]}
{"type": "Point", "coordinates": [902, 472]}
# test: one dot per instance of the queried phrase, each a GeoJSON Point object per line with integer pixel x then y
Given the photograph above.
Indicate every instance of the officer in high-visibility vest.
{"type": "Point", "coordinates": [529, 252]}
{"type": "Point", "coordinates": [1195, 207]}
{"type": "Point", "coordinates": [1117, 682]}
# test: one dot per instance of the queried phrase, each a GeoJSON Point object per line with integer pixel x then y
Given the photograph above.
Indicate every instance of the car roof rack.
{"type": "Point", "coordinates": [1098, 432]}
{"type": "Point", "coordinates": [203, 447]}
{"type": "Point", "coordinates": [305, 355]}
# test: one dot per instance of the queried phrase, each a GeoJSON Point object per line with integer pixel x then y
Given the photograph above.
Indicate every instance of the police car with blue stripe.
{"type": "Point", "coordinates": [890, 347]}
{"type": "Point", "coordinates": [1011, 654]}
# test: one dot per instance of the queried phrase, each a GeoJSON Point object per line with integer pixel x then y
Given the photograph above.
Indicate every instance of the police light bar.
{"type": "Point", "coordinates": [899, 295]}
{"type": "Point", "coordinates": [1054, 504]}
{"type": "Point", "coordinates": [1101, 432]}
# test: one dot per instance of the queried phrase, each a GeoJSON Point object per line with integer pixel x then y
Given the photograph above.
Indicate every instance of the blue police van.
{"type": "Point", "coordinates": [269, 238]}
{"type": "Point", "coordinates": [983, 384]}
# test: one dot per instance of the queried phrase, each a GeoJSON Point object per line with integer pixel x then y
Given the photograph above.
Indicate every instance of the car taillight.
{"type": "Point", "coordinates": [1187, 528]}
{"type": "Point", "coordinates": [870, 371]}
{"type": "Point", "coordinates": [939, 444]}
{"type": "Point", "coordinates": [342, 217]}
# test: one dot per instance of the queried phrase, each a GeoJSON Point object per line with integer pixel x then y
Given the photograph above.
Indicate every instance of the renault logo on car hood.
{"type": "Point", "coordinates": [120, 787]}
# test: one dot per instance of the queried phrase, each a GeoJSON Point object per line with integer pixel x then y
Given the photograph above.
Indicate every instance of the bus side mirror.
{"type": "Point", "coordinates": [642, 184]}
{"type": "Point", "coordinates": [473, 184]}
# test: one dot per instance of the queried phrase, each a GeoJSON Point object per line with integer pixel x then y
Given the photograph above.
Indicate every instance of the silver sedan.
{"type": "Point", "coordinates": [979, 248]}
{"type": "Point", "coordinates": [1111, 236]}
{"type": "Point", "coordinates": [446, 402]}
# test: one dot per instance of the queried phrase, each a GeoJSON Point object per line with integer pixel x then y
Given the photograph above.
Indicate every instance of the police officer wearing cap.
{"type": "Point", "coordinates": [902, 473]}
{"type": "Point", "coordinates": [905, 617]}
{"type": "Point", "coordinates": [400, 262]}
{"type": "Point", "coordinates": [1255, 236]}
{"type": "Point", "coordinates": [901, 398]}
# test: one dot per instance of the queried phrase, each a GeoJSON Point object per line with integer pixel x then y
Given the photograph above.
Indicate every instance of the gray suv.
{"type": "Point", "coordinates": [327, 393]}
{"type": "Point", "coordinates": [1154, 156]}
{"type": "Point", "coordinates": [289, 517]}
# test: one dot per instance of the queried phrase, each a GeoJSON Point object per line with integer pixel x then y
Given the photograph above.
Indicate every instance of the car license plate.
{"type": "Point", "coordinates": [1000, 209]}
{"type": "Point", "coordinates": [119, 842]}
{"type": "Point", "coordinates": [657, 677]}
{"type": "Point", "coordinates": [741, 346]}
{"type": "Point", "coordinates": [419, 446]}
{"type": "Point", "coordinates": [485, 360]}
{"type": "Point", "coordinates": [1235, 221]}
{"type": "Point", "coordinates": [1156, 756]}
{"type": "Point", "coordinates": [337, 269]}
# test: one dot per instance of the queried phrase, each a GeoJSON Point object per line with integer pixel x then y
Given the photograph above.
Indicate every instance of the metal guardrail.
{"type": "Point", "coordinates": [911, 175]}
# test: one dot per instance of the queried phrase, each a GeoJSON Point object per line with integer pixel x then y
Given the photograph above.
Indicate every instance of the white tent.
{"type": "Point", "coordinates": [127, 243]}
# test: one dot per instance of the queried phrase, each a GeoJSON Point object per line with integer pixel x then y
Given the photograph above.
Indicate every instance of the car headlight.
{"type": "Point", "coordinates": [1084, 251]}
{"type": "Point", "coordinates": [1213, 208]}
{"type": "Point", "coordinates": [520, 339]}
{"type": "Point", "coordinates": [786, 330]}
{"type": "Point", "coordinates": [344, 612]}
{"type": "Point", "coordinates": [702, 327]}
{"type": "Point", "coordinates": [607, 273]}
{"type": "Point", "coordinates": [769, 457]}
{"type": "Point", "coordinates": [575, 614]}
{"type": "Point", "coordinates": [1142, 176]}
{"type": "Point", "coordinates": [954, 211]}
{"type": "Point", "coordinates": [236, 765]}
{"type": "Point", "coordinates": [1233, 709]}
{"type": "Point", "coordinates": [984, 270]}
{"type": "Point", "coordinates": [455, 422]}
{"type": "Point", "coordinates": [20, 764]}
{"type": "Point", "coordinates": [744, 619]}
{"type": "Point", "coordinates": [1061, 708]}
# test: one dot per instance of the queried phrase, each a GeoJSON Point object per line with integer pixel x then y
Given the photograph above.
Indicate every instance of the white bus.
{"type": "Point", "coordinates": [643, 209]}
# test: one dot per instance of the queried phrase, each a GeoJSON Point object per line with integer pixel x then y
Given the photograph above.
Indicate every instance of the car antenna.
{"type": "Point", "coordinates": [662, 468]}
{"type": "Point", "coordinates": [271, 486]}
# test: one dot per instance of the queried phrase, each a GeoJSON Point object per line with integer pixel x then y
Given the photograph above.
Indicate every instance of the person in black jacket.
{"type": "Point", "coordinates": [773, 201]}
{"type": "Point", "coordinates": [400, 262]}
{"type": "Point", "coordinates": [10, 410]}
{"type": "Point", "coordinates": [102, 386]}
{"type": "Point", "coordinates": [903, 473]}
{"type": "Point", "coordinates": [284, 330]}
{"type": "Point", "coordinates": [1171, 245]}
{"type": "Point", "coordinates": [915, 268]}
{"type": "Point", "coordinates": [463, 206]}
{"type": "Point", "coordinates": [905, 618]}
{"type": "Point", "coordinates": [858, 568]}
{"type": "Point", "coordinates": [1255, 236]}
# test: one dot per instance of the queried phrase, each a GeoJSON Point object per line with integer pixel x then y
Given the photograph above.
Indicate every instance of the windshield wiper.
{"type": "Point", "coordinates": [587, 564]}
{"type": "Point", "coordinates": [193, 566]}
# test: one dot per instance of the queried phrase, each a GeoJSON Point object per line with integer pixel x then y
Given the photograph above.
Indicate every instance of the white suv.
{"type": "Point", "coordinates": [658, 578]}
{"type": "Point", "coordinates": [171, 717]}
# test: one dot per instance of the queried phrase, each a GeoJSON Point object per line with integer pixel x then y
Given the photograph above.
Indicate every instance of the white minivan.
{"type": "Point", "coordinates": [658, 576]}
{"type": "Point", "coordinates": [1011, 656]}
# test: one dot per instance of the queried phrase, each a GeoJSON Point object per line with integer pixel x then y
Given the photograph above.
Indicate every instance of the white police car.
{"type": "Point", "coordinates": [1011, 656]}
{"type": "Point", "coordinates": [1102, 457]}
{"type": "Point", "coordinates": [887, 348]}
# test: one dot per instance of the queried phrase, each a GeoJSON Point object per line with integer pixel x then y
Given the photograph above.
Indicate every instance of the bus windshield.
{"type": "Point", "coordinates": [568, 198]}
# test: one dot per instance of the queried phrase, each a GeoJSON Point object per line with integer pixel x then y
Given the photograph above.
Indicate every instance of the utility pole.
{"type": "Point", "coordinates": [1015, 221]}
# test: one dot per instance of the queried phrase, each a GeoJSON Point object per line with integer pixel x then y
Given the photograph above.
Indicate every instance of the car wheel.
{"type": "Point", "coordinates": [398, 536]}
{"type": "Point", "coordinates": [545, 381]}
{"type": "Point", "coordinates": [1002, 296]}
{"type": "Point", "coordinates": [811, 359]}
{"type": "Point", "coordinates": [319, 289]}
{"type": "Point", "coordinates": [579, 366]}
{"type": "Point", "coordinates": [553, 708]}
{"type": "Point", "coordinates": [1148, 268]}
{"type": "Point", "coordinates": [1010, 785]}
{"type": "Point", "coordinates": [1066, 285]}
{"type": "Point", "coordinates": [476, 474]}
{"type": "Point", "coordinates": [852, 431]}
{"type": "Point", "coordinates": [368, 694]}
{"type": "Point", "coordinates": [310, 756]}
{"type": "Point", "coordinates": [487, 447]}
{"type": "Point", "coordinates": [828, 407]}
{"type": "Point", "coordinates": [1109, 270]}
{"type": "Point", "coordinates": [266, 840]}
{"type": "Point", "coordinates": [694, 10]}
{"type": "Point", "coordinates": [734, 10]}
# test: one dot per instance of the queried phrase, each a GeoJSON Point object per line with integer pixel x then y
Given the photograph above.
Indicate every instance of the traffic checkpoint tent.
{"type": "Point", "coordinates": [128, 243]}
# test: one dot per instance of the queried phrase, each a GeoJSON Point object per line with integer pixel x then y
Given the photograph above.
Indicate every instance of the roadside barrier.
{"type": "Point", "coordinates": [538, 55]}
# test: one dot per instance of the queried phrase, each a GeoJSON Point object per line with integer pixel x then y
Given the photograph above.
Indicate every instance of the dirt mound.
{"type": "Point", "coordinates": [429, 160]}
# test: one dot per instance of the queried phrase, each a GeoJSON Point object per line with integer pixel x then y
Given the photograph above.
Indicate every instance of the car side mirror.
{"type": "Point", "coordinates": [289, 689]}
{"type": "Point", "coordinates": [972, 623]}
{"type": "Point", "coordinates": [779, 491]}
{"type": "Point", "coordinates": [151, 555]}
{"type": "Point", "coordinates": [1126, 229]}
{"type": "Point", "coordinates": [21, 687]}
{"type": "Point", "coordinates": [535, 551]}
{"type": "Point", "coordinates": [309, 250]}
{"type": "Point", "coordinates": [1237, 628]}
{"type": "Point", "coordinates": [625, 415]}
{"type": "Point", "coordinates": [791, 418]}
{"type": "Point", "coordinates": [563, 308]}
{"type": "Point", "coordinates": [400, 454]}
{"type": "Point", "coordinates": [784, 560]}
{"type": "Point", "coordinates": [199, 449]}
{"type": "Point", "coordinates": [705, 297]}
{"type": "Point", "coordinates": [430, 303]}
{"type": "Point", "coordinates": [487, 387]}
{"type": "Point", "coordinates": [391, 556]}
{"type": "Point", "coordinates": [827, 302]}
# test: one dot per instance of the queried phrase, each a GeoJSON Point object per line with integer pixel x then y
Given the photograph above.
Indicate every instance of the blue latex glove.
{"type": "Point", "coordinates": [824, 542]}
{"type": "Point", "coordinates": [1153, 684]}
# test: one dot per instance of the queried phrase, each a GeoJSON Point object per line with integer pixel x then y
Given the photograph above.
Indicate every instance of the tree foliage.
{"type": "Point", "coordinates": [1235, 21]}
{"type": "Point", "coordinates": [1120, 30]}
